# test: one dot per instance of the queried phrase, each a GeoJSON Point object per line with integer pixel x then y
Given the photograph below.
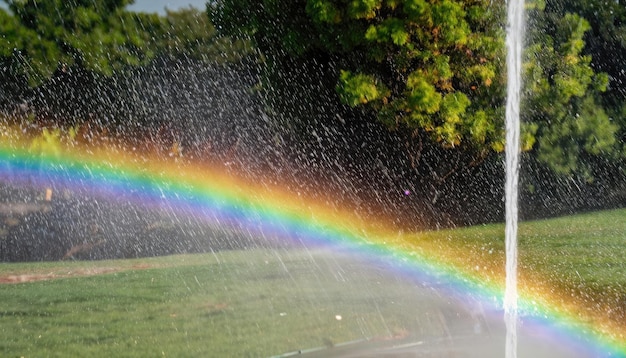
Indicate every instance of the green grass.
{"type": "Point", "coordinates": [580, 261]}
{"type": "Point", "coordinates": [266, 302]}
{"type": "Point", "coordinates": [253, 303]}
{"type": "Point", "coordinates": [587, 251]}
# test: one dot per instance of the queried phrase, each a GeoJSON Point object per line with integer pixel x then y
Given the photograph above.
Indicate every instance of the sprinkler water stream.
{"type": "Point", "coordinates": [514, 39]}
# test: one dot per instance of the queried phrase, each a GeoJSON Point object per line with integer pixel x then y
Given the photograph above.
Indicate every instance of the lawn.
{"type": "Point", "coordinates": [233, 303]}
{"type": "Point", "coordinates": [264, 302]}
{"type": "Point", "coordinates": [576, 261]}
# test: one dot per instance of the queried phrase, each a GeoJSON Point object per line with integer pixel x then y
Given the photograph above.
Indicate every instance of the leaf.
{"type": "Point", "coordinates": [355, 89]}
{"type": "Point", "coordinates": [323, 11]}
{"type": "Point", "coordinates": [363, 9]}
{"type": "Point", "coordinates": [422, 95]}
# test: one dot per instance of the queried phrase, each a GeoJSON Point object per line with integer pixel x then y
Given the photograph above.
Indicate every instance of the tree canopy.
{"type": "Point", "coordinates": [43, 36]}
{"type": "Point", "coordinates": [40, 37]}
{"type": "Point", "coordinates": [434, 68]}
{"type": "Point", "coordinates": [562, 92]}
{"type": "Point", "coordinates": [420, 65]}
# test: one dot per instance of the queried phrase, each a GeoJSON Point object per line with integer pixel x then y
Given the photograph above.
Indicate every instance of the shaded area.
{"type": "Point", "coordinates": [301, 136]}
{"type": "Point", "coordinates": [72, 226]}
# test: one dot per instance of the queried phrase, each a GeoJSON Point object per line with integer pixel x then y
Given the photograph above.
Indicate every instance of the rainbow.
{"type": "Point", "coordinates": [113, 171]}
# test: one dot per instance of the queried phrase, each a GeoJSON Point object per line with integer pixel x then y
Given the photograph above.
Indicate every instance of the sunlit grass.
{"type": "Point", "coordinates": [265, 302]}
{"type": "Point", "coordinates": [586, 251]}
{"type": "Point", "coordinates": [577, 263]}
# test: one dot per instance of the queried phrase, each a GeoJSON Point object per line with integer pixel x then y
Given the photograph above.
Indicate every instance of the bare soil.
{"type": "Point", "coordinates": [37, 275]}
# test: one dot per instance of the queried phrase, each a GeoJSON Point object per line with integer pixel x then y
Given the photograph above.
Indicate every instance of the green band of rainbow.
{"type": "Point", "coordinates": [206, 191]}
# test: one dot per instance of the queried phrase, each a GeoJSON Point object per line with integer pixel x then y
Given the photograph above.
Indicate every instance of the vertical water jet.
{"type": "Point", "coordinates": [514, 39]}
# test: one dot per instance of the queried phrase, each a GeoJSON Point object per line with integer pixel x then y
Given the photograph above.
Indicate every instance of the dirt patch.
{"type": "Point", "coordinates": [25, 278]}
{"type": "Point", "coordinates": [22, 209]}
{"type": "Point", "coordinates": [78, 272]}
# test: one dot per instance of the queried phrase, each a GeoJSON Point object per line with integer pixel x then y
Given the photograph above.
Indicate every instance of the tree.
{"type": "Point", "coordinates": [189, 33]}
{"type": "Point", "coordinates": [432, 67]}
{"type": "Point", "coordinates": [65, 61]}
{"type": "Point", "coordinates": [561, 95]}
{"type": "Point", "coordinates": [606, 39]}
{"type": "Point", "coordinates": [605, 42]}
{"type": "Point", "coordinates": [435, 69]}
{"type": "Point", "coordinates": [46, 36]}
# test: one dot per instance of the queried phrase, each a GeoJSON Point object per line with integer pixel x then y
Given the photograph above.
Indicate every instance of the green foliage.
{"type": "Point", "coordinates": [560, 96]}
{"type": "Point", "coordinates": [360, 88]}
{"type": "Point", "coordinates": [590, 131]}
{"type": "Point", "coordinates": [100, 36]}
{"type": "Point", "coordinates": [323, 11]}
{"type": "Point", "coordinates": [418, 65]}
{"type": "Point", "coordinates": [435, 68]}
{"type": "Point", "coordinates": [47, 144]}
{"type": "Point", "coordinates": [189, 33]}
{"type": "Point", "coordinates": [606, 40]}
{"type": "Point", "coordinates": [605, 45]}
{"type": "Point", "coordinates": [45, 36]}
{"type": "Point", "coordinates": [428, 67]}
{"type": "Point", "coordinates": [18, 42]}
{"type": "Point", "coordinates": [422, 96]}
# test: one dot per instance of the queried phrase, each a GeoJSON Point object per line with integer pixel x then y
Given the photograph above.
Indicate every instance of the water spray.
{"type": "Point", "coordinates": [514, 40]}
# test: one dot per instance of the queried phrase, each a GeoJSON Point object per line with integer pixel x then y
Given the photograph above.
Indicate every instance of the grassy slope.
{"type": "Point", "coordinates": [253, 303]}
{"type": "Point", "coordinates": [587, 249]}
{"type": "Point", "coordinates": [230, 303]}
{"type": "Point", "coordinates": [578, 261]}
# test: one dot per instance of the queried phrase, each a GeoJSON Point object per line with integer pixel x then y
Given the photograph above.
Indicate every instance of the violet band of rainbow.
{"type": "Point", "coordinates": [207, 192]}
